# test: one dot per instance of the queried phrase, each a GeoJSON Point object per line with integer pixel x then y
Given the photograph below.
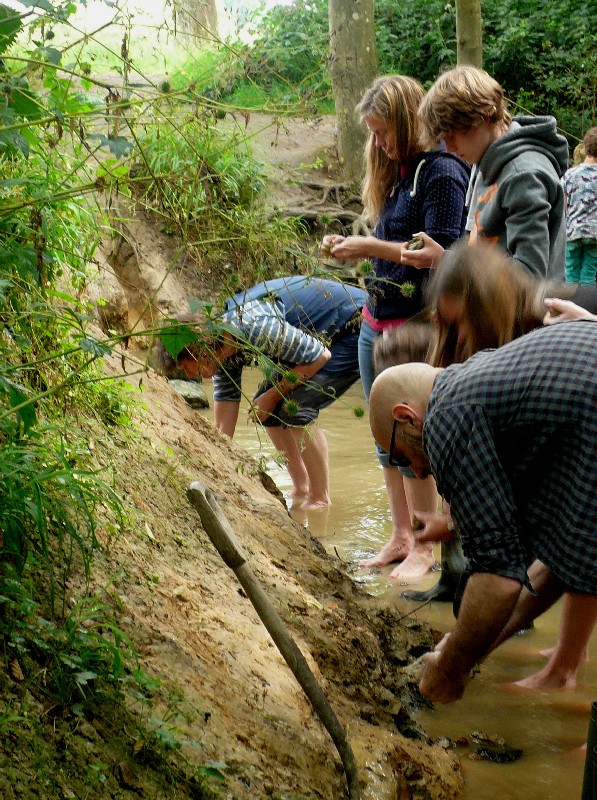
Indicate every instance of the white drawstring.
{"type": "Point", "coordinates": [418, 169]}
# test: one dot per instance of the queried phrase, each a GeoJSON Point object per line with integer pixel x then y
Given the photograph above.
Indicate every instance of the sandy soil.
{"type": "Point", "coordinates": [196, 629]}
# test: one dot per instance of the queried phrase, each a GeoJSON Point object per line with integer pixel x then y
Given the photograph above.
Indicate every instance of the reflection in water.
{"type": "Point", "coordinates": [549, 726]}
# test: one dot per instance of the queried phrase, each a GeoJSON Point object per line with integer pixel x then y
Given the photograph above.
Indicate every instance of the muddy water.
{"type": "Point", "coordinates": [549, 726]}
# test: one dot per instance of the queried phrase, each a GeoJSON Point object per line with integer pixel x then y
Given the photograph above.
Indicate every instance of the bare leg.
{"type": "Point", "coordinates": [421, 495]}
{"type": "Point", "coordinates": [312, 445]}
{"type": "Point", "coordinates": [549, 651]}
{"type": "Point", "coordinates": [401, 541]}
{"type": "Point", "coordinates": [284, 442]}
{"type": "Point", "coordinates": [579, 616]}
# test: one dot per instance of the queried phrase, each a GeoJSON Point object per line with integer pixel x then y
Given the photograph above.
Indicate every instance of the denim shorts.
{"type": "Point", "coordinates": [320, 391]}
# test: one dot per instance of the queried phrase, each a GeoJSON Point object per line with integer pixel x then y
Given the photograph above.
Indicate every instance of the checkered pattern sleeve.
{"type": "Point", "coordinates": [471, 478]}
{"type": "Point", "coordinates": [511, 436]}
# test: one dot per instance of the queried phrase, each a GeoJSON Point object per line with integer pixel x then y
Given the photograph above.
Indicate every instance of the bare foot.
{"type": "Point", "coordinates": [545, 679]}
{"type": "Point", "coordinates": [391, 551]}
{"type": "Point", "coordinates": [316, 505]}
{"type": "Point", "coordinates": [418, 563]}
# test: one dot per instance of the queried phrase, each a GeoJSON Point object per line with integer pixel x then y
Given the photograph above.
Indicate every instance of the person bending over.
{"type": "Point", "coordinates": [303, 331]}
{"type": "Point", "coordinates": [510, 437]}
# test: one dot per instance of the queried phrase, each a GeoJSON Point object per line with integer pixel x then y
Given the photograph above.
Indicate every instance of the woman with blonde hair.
{"type": "Point", "coordinates": [407, 188]}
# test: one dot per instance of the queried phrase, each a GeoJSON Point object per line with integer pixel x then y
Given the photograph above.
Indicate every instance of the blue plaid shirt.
{"type": "Point", "coordinates": [511, 437]}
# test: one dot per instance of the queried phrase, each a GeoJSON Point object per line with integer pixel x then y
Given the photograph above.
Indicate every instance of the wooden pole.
{"type": "Point", "coordinates": [224, 540]}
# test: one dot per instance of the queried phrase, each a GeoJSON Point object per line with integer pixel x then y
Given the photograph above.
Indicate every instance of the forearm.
{"type": "Point", "coordinates": [226, 416]}
{"type": "Point", "coordinates": [367, 247]}
{"type": "Point", "coordinates": [268, 400]}
{"type": "Point", "coordinates": [380, 248]}
{"type": "Point", "coordinates": [486, 607]}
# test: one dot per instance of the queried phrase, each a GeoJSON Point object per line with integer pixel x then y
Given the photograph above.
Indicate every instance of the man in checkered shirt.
{"type": "Point", "coordinates": [510, 437]}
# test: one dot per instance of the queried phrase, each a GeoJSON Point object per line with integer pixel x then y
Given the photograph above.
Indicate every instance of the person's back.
{"type": "Point", "coordinates": [511, 435]}
{"type": "Point", "coordinates": [317, 305]}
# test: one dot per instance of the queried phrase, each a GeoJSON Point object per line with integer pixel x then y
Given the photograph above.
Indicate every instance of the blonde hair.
{"type": "Point", "coordinates": [460, 99]}
{"type": "Point", "coordinates": [395, 99]}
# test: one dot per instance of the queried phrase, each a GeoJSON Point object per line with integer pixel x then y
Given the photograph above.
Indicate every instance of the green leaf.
{"type": "Point", "coordinates": [51, 54]}
{"type": "Point", "coordinates": [176, 338]}
{"type": "Point", "coordinates": [84, 677]}
{"type": "Point", "coordinates": [201, 305]}
{"type": "Point", "coordinates": [25, 104]}
{"type": "Point", "coordinates": [212, 769]}
{"type": "Point", "coordinates": [16, 396]}
{"type": "Point", "coordinates": [45, 5]}
{"type": "Point", "coordinates": [13, 140]}
{"type": "Point", "coordinates": [4, 286]}
{"type": "Point", "coordinates": [10, 25]}
{"type": "Point", "coordinates": [94, 347]}
{"type": "Point", "coordinates": [118, 145]}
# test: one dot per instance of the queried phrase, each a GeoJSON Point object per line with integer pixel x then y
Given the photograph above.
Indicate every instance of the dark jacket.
{"type": "Point", "coordinates": [429, 198]}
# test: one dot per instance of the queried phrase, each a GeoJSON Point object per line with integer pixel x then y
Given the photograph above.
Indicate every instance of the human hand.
{"type": "Point", "coordinates": [438, 686]}
{"type": "Point", "coordinates": [564, 310]}
{"type": "Point", "coordinates": [328, 241]}
{"type": "Point", "coordinates": [435, 527]}
{"type": "Point", "coordinates": [427, 257]}
{"type": "Point", "coordinates": [352, 247]}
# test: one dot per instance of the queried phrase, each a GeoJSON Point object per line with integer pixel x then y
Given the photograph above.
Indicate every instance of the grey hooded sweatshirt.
{"type": "Point", "coordinates": [518, 199]}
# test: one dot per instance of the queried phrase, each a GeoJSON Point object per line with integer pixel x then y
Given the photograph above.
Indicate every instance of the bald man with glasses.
{"type": "Point", "coordinates": [510, 437]}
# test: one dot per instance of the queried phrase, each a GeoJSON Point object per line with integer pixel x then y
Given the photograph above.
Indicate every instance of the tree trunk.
{"type": "Point", "coordinates": [353, 66]}
{"type": "Point", "coordinates": [469, 36]}
{"type": "Point", "coordinates": [196, 18]}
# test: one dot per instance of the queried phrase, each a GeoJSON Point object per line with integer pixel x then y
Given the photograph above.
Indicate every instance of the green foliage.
{"type": "Point", "coordinates": [415, 37]}
{"type": "Point", "coordinates": [207, 186]}
{"type": "Point", "coordinates": [47, 505]}
{"type": "Point", "coordinates": [77, 654]}
{"type": "Point", "coordinates": [545, 57]}
{"type": "Point", "coordinates": [195, 168]}
{"type": "Point", "coordinates": [288, 54]}
{"type": "Point", "coordinates": [283, 68]}
{"type": "Point", "coordinates": [543, 54]}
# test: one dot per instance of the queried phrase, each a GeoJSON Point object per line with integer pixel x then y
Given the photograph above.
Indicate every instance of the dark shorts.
{"type": "Point", "coordinates": [303, 404]}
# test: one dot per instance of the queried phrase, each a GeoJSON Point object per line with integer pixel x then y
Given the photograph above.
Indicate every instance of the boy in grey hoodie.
{"type": "Point", "coordinates": [516, 198]}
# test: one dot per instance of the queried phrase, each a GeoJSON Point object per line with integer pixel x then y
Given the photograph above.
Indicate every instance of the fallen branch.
{"type": "Point", "coordinates": [224, 540]}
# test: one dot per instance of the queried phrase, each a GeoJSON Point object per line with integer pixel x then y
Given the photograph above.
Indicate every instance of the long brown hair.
{"type": "Point", "coordinates": [394, 99]}
{"type": "Point", "coordinates": [501, 301]}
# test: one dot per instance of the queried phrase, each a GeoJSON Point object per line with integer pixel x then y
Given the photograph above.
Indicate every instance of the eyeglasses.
{"type": "Point", "coordinates": [396, 460]}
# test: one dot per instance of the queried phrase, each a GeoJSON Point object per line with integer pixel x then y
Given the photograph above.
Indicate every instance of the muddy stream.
{"type": "Point", "coordinates": [549, 726]}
